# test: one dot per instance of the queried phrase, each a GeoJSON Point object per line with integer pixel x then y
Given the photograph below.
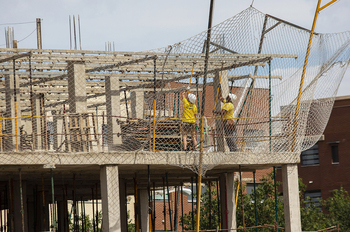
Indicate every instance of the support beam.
{"type": "Point", "coordinates": [137, 104]}
{"type": "Point", "coordinates": [231, 201]}
{"type": "Point", "coordinates": [77, 87]}
{"type": "Point", "coordinates": [228, 201]}
{"type": "Point", "coordinates": [144, 210]}
{"type": "Point", "coordinates": [109, 178]}
{"type": "Point", "coordinates": [10, 125]}
{"type": "Point", "coordinates": [113, 108]}
{"type": "Point", "coordinates": [291, 198]}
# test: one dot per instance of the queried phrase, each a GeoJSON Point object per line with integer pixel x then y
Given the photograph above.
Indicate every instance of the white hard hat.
{"type": "Point", "coordinates": [192, 98]}
{"type": "Point", "coordinates": [232, 96]}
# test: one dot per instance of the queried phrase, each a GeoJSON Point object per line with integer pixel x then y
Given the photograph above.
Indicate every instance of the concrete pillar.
{"type": "Point", "coordinates": [231, 200]}
{"type": "Point", "coordinates": [37, 122]}
{"type": "Point", "coordinates": [10, 143]}
{"type": "Point", "coordinates": [123, 209]}
{"type": "Point", "coordinates": [113, 108]}
{"type": "Point", "coordinates": [137, 103]}
{"type": "Point", "coordinates": [223, 86]}
{"type": "Point", "coordinates": [228, 198]}
{"type": "Point", "coordinates": [57, 129]}
{"type": "Point", "coordinates": [109, 179]}
{"type": "Point", "coordinates": [291, 198]}
{"type": "Point", "coordinates": [76, 87]}
{"type": "Point", "coordinates": [144, 210]}
{"type": "Point", "coordinates": [17, 206]}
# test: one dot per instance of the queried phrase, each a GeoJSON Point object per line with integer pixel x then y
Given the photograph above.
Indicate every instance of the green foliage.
{"type": "Point", "coordinates": [209, 218]}
{"type": "Point", "coordinates": [131, 226]}
{"type": "Point", "coordinates": [266, 206]}
{"type": "Point", "coordinates": [335, 210]}
{"type": "Point", "coordinates": [84, 223]}
{"type": "Point", "coordinates": [338, 207]}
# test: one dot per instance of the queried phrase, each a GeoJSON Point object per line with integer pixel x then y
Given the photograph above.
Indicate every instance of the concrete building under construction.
{"type": "Point", "coordinates": [96, 126]}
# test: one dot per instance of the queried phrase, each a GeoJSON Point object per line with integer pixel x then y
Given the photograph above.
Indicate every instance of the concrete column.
{"type": "Point", "coordinates": [228, 200]}
{"type": "Point", "coordinates": [231, 200]}
{"type": "Point", "coordinates": [57, 129]}
{"type": "Point", "coordinates": [137, 103]}
{"type": "Point", "coordinates": [291, 198]}
{"type": "Point", "coordinates": [76, 87]}
{"type": "Point", "coordinates": [10, 128]}
{"type": "Point", "coordinates": [113, 108]}
{"type": "Point", "coordinates": [144, 210]}
{"type": "Point", "coordinates": [123, 209]}
{"type": "Point", "coordinates": [109, 179]}
{"type": "Point", "coordinates": [223, 86]}
{"type": "Point", "coordinates": [37, 122]}
{"type": "Point", "coordinates": [17, 204]}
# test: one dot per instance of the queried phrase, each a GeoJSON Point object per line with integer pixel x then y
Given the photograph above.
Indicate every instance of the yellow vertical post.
{"type": "Point", "coordinates": [318, 9]}
{"type": "Point", "coordinates": [154, 107]}
{"type": "Point", "coordinates": [15, 99]}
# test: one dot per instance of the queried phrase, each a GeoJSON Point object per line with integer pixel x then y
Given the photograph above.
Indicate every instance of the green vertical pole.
{"type": "Point", "coordinates": [270, 102]}
{"type": "Point", "coordinates": [218, 201]}
{"type": "Point", "coordinates": [167, 185]}
{"type": "Point", "coordinates": [276, 206]}
{"type": "Point", "coordinates": [255, 206]}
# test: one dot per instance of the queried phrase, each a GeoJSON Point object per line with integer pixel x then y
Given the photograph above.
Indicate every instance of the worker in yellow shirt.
{"type": "Point", "coordinates": [189, 113]}
{"type": "Point", "coordinates": [227, 110]}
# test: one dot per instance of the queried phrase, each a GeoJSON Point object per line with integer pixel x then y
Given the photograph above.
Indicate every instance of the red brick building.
{"type": "Point", "coordinates": [325, 166]}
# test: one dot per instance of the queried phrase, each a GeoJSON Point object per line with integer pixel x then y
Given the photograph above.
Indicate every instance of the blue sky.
{"type": "Point", "coordinates": [136, 25]}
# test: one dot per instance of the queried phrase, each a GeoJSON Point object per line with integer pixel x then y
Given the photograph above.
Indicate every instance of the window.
{"type": "Point", "coordinates": [335, 155]}
{"type": "Point", "coordinates": [159, 197]}
{"type": "Point", "coordinates": [313, 196]}
{"type": "Point", "coordinates": [250, 187]}
{"type": "Point", "coordinates": [310, 156]}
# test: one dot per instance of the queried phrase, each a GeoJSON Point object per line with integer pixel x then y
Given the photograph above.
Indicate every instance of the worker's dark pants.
{"type": "Point", "coordinates": [230, 136]}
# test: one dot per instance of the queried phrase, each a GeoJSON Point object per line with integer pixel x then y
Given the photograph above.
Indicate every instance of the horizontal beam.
{"type": "Point", "coordinates": [18, 56]}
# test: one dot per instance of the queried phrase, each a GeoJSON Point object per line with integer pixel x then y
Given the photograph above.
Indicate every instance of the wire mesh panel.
{"type": "Point", "coordinates": [105, 104]}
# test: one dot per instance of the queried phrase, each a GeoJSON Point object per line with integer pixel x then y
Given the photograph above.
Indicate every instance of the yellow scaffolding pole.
{"type": "Point", "coordinates": [318, 9]}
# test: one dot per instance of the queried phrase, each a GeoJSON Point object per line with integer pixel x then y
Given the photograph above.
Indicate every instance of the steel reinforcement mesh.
{"type": "Point", "coordinates": [100, 107]}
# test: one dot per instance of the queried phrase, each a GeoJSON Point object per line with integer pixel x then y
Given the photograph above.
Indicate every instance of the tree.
{"type": "Point", "coordinates": [314, 215]}
{"type": "Point", "coordinates": [86, 224]}
{"type": "Point", "coordinates": [266, 207]}
{"type": "Point", "coordinates": [209, 218]}
{"type": "Point", "coordinates": [338, 208]}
